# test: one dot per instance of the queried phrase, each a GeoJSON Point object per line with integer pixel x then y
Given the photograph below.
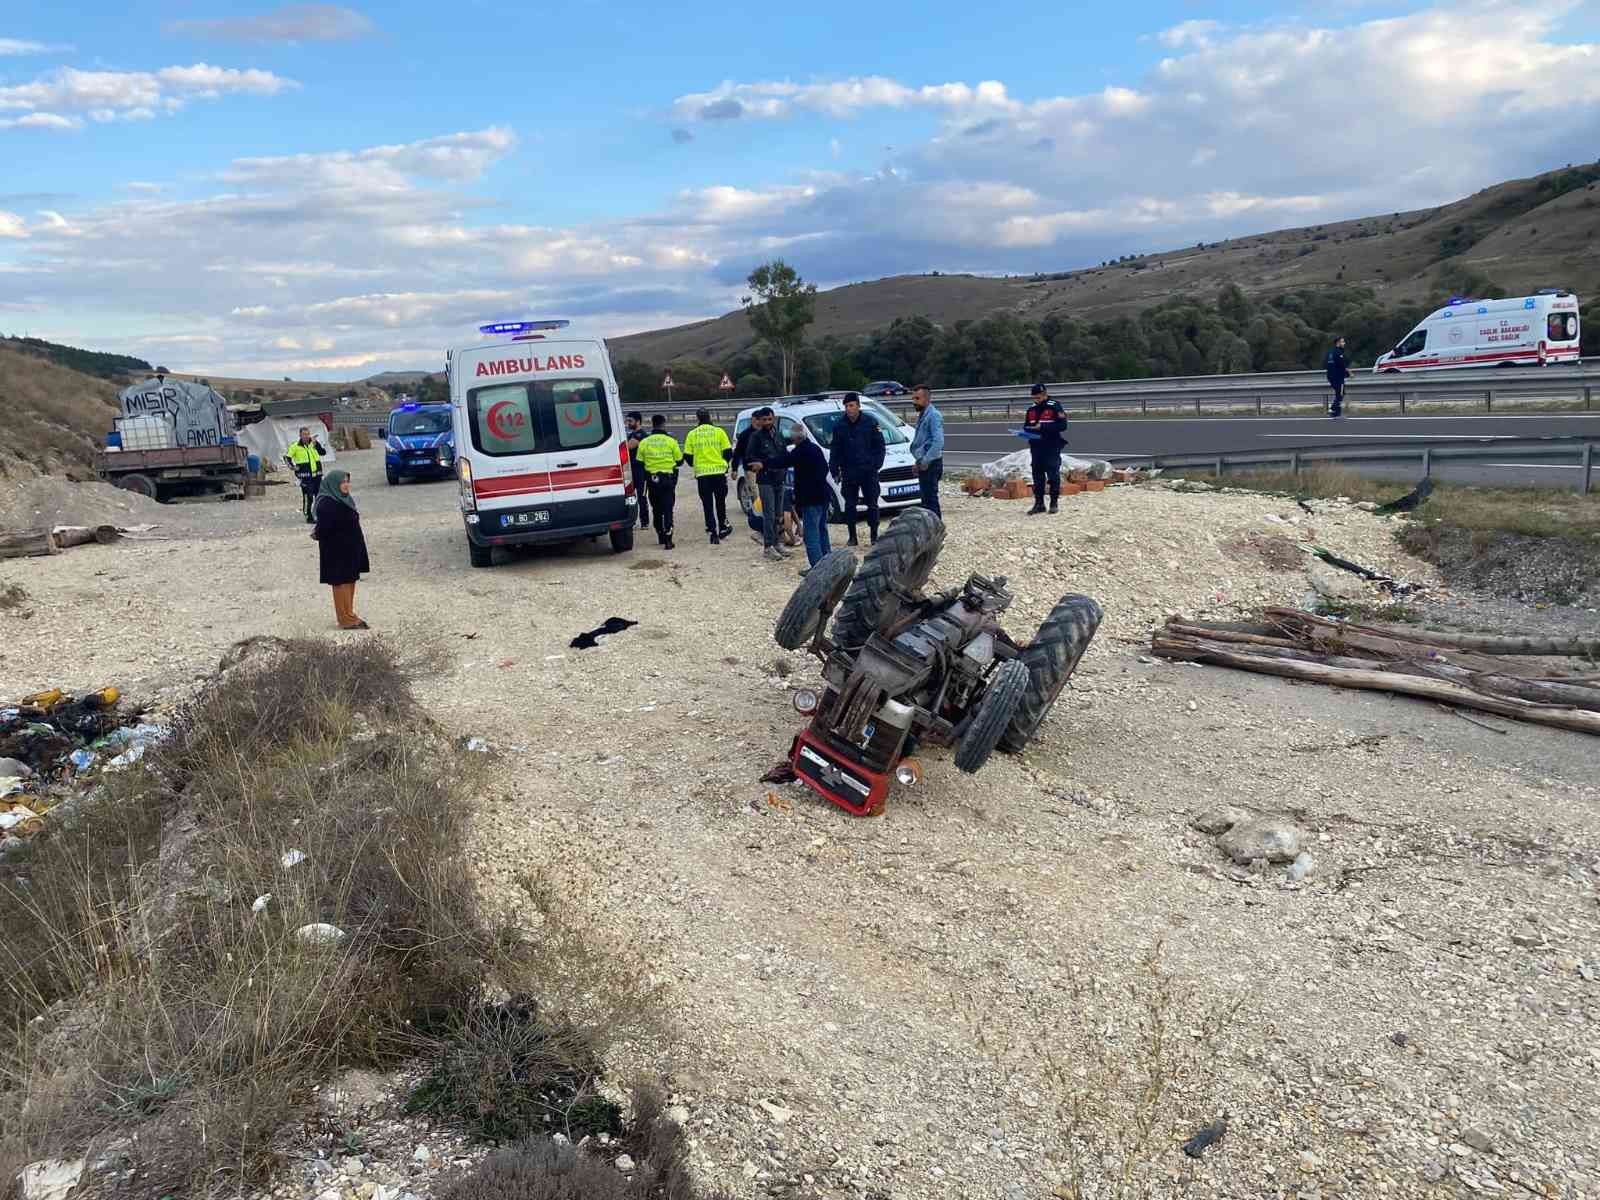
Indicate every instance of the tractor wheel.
{"type": "Point", "coordinates": [1007, 688]}
{"type": "Point", "coordinates": [142, 484]}
{"type": "Point", "coordinates": [1051, 658]}
{"type": "Point", "coordinates": [902, 561]}
{"type": "Point", "coordinates": [814, 600]}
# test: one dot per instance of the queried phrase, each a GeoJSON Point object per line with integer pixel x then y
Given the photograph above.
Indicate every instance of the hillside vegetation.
{"type": "Point", "coordinates": [54, 416]}
{"type": "Point", "coordinates": [1521, 235]}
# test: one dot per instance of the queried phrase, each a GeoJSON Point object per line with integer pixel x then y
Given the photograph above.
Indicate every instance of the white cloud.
{"type": "Point", "coordinates": [20, 47]}
{"type": "Point", "coordinates": [63, 98]}
{"type": "Point", "coordinates": [289, 23]}
{"type": "Point", "coordinates": [457, 156]}
{"type": "Point", "coordinates": [1187, 34]}
{"type": "Point", "coordinates": [839, 98]}
{"type": "Point", "coordinates": [12, 226]}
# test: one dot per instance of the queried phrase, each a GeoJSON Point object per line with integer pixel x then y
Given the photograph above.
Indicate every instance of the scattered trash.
{"type": "Point", "coordinates": [506, 664]}
{"type": "Point", "coordinates": [260, 906]}
{"type": "Point", "coordinates": [624, 1163]}
{"type": "Point", "coordinates": [82, 760]}
{"type": "Point", "coordinates": [477, 745]}
{"type": "Point", "coordinates": [320, 934]}
{"type": "Point", "coordinates": [11, 766]}
{"type": "Point", "coordinates": [1304, 863]}
{"type": "Point", "coordinates": [292, 858]}
{"type": "Point", "coordinates": [778, 802]}
{"type": "Point", "coordinates": [18, 815]}
{"type": "Point", "coordinates": [1212, 1133]}
{"type": "Point", "coordinates": [51, 1179]}
{"type": "Point", "coordinates": [1389, 584]}
{"type": "Point", "coordinates": [781, 772]}
{"type": "Point", "coordinates": [591, 638]}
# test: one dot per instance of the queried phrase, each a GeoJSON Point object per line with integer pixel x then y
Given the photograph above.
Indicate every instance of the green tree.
{"type": "Point", "coordinates": [639, 382]}
{"type": "Point", "coordinates": [752, 385]}
{"type": "Point", "coordinates": [432, 389]}
{"type": "Point", "coordinates": [781, 306]}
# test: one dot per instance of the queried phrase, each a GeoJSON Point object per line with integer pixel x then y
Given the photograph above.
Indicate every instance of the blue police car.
{"type": "Point", "coordinates": [420, 442]}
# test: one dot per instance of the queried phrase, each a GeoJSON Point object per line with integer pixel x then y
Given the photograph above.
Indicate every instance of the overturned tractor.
{"type": "Point", "coordinates": [905, 669]}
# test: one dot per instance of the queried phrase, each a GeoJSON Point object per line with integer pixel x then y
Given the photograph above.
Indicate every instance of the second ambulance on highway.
{"type": "Point", "coordinates": [1522, 331]}
{"type": "Point", "coordinates": [540, 453]}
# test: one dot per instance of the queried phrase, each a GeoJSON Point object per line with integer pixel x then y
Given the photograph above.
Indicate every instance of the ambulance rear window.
{"type": "Point", "coordinates": [538, 417]}
{"type": "Point", "coordinates": [1562, 327]}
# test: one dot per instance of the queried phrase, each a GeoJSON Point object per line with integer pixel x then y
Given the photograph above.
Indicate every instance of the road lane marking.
{"type": "Point", "coordinates": [1402, 437]}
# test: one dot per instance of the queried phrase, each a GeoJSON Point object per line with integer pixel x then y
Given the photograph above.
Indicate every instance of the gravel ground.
{"type": "Point", "coordinates": [868, 1008]}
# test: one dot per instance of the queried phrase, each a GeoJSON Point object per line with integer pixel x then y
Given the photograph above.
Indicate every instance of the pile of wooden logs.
{"type": "Point", "coordinates": [35, 543]}
{"type": "Point", "coordinates": [1496, 674]}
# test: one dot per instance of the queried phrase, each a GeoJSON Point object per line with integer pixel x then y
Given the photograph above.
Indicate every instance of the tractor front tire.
{"type": "Point", "coordinates": [901, 561]}
{"type": "Point", "coordinates": [814, 600]}
{"type": "Point", "coordinates": [1050, 659]}
{"type": "Point", "coordinates": [996, 710]}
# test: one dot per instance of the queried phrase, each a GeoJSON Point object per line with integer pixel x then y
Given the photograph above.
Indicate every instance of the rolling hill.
{"type": "Point", "coordinates": [1521, 235]}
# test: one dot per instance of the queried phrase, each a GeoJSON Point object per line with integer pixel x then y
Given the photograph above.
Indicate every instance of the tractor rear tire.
{"type": "Point", "coordinates": [902, 560]}
{"type": "Point", "coordinates": [1050, 659]}
{"type": "Point", "coordinates": [1006, 691]}
{"type": "Point", "coordinates": [814, 600]}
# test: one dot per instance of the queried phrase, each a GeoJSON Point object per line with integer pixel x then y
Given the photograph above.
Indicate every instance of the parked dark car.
{"type": "Point", "coordinates": [885, 387]}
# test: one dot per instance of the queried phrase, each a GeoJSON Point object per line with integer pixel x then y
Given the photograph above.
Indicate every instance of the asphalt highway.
{"type": "Point", "coordinates": [970, 443]}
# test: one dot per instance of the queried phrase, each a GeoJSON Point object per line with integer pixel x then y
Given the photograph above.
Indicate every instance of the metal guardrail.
{"type": "Point", "coordinates": [1577, 450]}
{"type": "Point", "coordinates": [1578, 385]}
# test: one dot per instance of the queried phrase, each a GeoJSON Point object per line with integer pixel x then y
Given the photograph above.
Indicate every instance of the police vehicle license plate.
{"type": "Point", "coordinates": [541, 517]}
{"type": "Point", "coordinates": [909, 489]}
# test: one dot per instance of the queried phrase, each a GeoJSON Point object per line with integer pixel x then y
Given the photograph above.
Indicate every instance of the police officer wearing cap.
{"type": "Point", "coordinates": [1046, 427]}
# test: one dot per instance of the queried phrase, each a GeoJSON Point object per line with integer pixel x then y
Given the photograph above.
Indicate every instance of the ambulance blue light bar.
{"type": "Point", "coordinates": [502, 328]}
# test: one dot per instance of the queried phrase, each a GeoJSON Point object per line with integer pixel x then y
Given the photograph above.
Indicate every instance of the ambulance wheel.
{"type": "Point", "coordinates": [480, 556]}
{"type": "Point", "coordinates": [1050, 660]}
{"type": "Point", "coordinates": [814, 600]}
{"type": "Point", "coordinates": [622, 539]}
{"type": "Point", "coordinates": [142, 484]}
{"type": "Point", "coordinates": [1005, 692]}
{"type": "Point", "coordinates": [900, 563]}
{"type": "Point", "coordinates": [392, 476]}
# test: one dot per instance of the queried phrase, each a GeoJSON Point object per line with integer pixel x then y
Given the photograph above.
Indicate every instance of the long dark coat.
{"type": "Point", "coordinates": [343, 549]}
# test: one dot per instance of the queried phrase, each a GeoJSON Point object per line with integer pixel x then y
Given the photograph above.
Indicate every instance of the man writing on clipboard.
{"type": "Point", "coordinates": [1045, 427]}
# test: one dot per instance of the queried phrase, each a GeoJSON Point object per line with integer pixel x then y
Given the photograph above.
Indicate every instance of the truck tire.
{"type": "Point", "coordinates": [480, 556]}
{"type": "Point", "coordinates": [1007, 688]}
{"type": "Point", "coordinates": [142, 484]}
{"type": "Point", "coordinates": [814, 600]}
{"type": "Point", "coordinates": [902, 561]}
{"type": "Point", "coordinates": [392, 476]}
{"type": "Point", "coordinates": [1050, 659]}
{"type": "Point", "coordinates": [622, 539]}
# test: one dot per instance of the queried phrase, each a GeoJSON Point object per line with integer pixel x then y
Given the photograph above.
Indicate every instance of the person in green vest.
{"type": "Point", "coordinates": [709, 451]}
{"type": "Point", "coordinates": [305, 460]}
{"type": "Point", "coordinates": [660, 455]}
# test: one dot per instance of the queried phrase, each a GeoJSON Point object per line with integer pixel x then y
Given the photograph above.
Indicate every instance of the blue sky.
{"type": "Point", "coordinates": [327, 190]}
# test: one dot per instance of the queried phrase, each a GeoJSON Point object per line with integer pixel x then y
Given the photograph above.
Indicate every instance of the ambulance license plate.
{"type": "Point", "coordinates": [540, 517]}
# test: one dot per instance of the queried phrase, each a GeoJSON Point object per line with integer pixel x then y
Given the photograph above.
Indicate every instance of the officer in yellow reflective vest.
{"type": "Point", "coordinates": [709, 451]}
{"type": "Point", "coordinates": [305, 460]}
{"type": "Point", "coordinates": [660, 455]}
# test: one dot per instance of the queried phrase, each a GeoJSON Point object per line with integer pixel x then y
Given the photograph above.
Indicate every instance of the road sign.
{"type": "Point", "coordinates": [667, 382]}
{"type": "Point", "coordinates": [726, 385]}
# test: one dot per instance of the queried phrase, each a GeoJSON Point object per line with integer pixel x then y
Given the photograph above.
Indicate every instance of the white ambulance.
{"type": "Point", "coordinates": [1525, 330]}
{"type": "Point", "coordinates": [540, 451]}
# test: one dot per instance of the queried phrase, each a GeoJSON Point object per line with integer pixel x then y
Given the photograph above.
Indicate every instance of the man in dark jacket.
{"type": "Point", "coordinates": [634, 422]}
{"type": "Point", "coordinates": [811, 491]}
{"type": "Point", "coordinates": [765, 460]}
{"type": "Point", "coordinates": [1046, 426]}
{"type": "Point", "coordinates": [857, 457]}
{"type": "Point", "coordinates": [1338, 367]}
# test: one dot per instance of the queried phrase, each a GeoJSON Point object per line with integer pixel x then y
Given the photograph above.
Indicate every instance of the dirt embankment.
{"type": "Point", "coordinates": [881, 1008]}
{"type": "Point", "coordinates": [53, 418]}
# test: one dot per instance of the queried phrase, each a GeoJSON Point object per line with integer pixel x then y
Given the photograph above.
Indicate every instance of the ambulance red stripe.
{"type": "Point", "coordinates": [544, 482]}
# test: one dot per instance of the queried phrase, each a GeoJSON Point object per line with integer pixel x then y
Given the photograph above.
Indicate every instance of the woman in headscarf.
{"type": "Point", "coordinates": [343, 549]}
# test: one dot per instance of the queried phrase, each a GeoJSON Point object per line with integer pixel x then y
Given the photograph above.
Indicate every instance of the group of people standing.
{"type": "Point", "coordinates": [790, 475]}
